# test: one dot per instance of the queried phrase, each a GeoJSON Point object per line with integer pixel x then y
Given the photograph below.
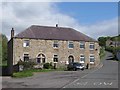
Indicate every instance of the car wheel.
{"type": "Point", "coordinates": [82, 69]}
{"type": "Point", "coordinates": [68, 69]}
{"type": "Point", "coordinates": [74, 69]}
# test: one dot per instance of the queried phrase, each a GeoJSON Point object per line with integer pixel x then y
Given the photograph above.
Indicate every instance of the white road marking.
{"type": "Point", "coordinates": [82, 77]}
{"type": "Point", "coordinates": [71, 82]}
{"type": "Point", "coordinates": [92, 71]}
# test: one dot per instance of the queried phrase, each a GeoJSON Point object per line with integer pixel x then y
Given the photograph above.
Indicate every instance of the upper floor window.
{"type": "Point", "coordinates": [26, 57]}
{"type": "Point", "coordinates": [92, 46]}
{"type": "Point", "coordinates": [82, 45]}
{"type": "Point", "coordinates": [92, 59]}
{"type": "Point", "coordinates": [70, 44]}
{"type": "Point", "coordinates": [82, 59]}
{"type": "Point", "coordinates": [55, 58]}
{"type": "Point", "coordinates": [26, 43]}
{"type": "Point", "coordinates": [55, 44]}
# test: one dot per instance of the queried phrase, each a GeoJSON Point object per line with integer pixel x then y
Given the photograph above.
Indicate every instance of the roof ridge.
{"type": "Point", "coordinates": [50, 26]}
{"type": "Point", "coordinates": [50, 32]}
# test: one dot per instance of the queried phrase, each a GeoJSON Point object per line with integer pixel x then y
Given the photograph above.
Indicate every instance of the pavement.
{"type": "Point", "coordinates": [105, 75]}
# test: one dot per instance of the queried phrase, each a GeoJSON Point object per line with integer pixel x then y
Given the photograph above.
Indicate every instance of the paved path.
{"type": "Point", "coordinates": [94, 78]}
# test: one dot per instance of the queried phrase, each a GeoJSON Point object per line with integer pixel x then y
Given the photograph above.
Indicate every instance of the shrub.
{"type": "Point", "coordinates": [112, 50]}
{"type": "Point", "coordinates": [51, 65]}
{"type": "Point", "coordinates": [102, 52]}
{"type": "Point", "coordinates": [46, 66]}
{"type": "Point", "coordinates": [27, 65]}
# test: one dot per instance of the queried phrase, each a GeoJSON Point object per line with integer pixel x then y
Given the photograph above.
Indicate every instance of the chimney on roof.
{"type": "Point", "coordinates": [56, 25]}
{"type": "Point", "coordinates": [12, 33]}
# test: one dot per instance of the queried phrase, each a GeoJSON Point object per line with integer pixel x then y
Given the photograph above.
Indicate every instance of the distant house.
{"type": "Point", "coordinates": [58, 45]}
{"type": "Point", "coordinates": [112, 43]}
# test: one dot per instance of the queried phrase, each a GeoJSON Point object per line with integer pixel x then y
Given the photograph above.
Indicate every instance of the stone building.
{"type": "Point", "coordinates": [58, 45]}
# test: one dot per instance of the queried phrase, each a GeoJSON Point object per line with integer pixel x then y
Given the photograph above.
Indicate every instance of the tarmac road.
{"type": "Point", "coordinates": [100, 77]}
{"type": "Point", "coordinates": [105, 77]}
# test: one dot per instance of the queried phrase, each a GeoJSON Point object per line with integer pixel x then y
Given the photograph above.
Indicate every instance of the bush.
{"type": "Point", "coordinates": [112, 50]}
{"type": "Point", "coordinates": [26, 65]}
{"type": "Point", "coordinates": [46, 66]}
{"type": "Point", "coordinates": [51, 65]}
{"type": "Point", "coordinates": [102, 52]}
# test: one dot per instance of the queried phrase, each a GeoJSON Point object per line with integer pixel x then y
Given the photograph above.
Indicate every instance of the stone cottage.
{"type": "Point", "coordinates": [58, 45]}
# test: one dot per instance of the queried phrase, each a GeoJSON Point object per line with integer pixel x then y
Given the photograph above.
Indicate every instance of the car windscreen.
{"type": "Point", "coordinates": [77, 64]}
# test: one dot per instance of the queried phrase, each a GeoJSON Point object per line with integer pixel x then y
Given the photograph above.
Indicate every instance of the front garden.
{"type": "Point", "coordinates": [29, 68]}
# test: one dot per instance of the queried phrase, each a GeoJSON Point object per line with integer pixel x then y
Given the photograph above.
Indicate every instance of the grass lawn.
{"type": "Point", "coordinates": [28, 73]}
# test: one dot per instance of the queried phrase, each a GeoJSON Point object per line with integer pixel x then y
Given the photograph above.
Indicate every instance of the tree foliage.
{"type": "Point", "coordinates": [102, 40]}
{"type": "Point", "coordinates": [3, 47]}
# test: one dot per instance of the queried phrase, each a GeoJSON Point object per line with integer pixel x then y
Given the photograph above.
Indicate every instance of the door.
{"type": "Point", "coordinates": [71, 59]}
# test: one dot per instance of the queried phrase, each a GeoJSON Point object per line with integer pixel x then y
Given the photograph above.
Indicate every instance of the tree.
{"type": "Point", "coordinates": [102, 41]}
{"type": "Point", "coordinates": [3, 47]}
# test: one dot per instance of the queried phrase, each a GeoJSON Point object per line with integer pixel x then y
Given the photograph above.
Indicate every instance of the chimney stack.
{"type": "Point", "coordinates": [56, 25]}
{"type": "Point", "coordinates": [12, 33]}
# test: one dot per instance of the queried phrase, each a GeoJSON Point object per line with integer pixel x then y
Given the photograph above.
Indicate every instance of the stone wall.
{"type": "Point", "coordinates": [45, 47]}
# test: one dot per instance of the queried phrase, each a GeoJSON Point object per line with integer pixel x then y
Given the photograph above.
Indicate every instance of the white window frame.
{"type": "Point", "coordinates": [54, 57]}
{"type": "Point", "coordinates": [82, 43]}
{"type": "Point", "coordinates": [93, 45]}
{"type": "Point", "coordinates": [54, 42]}
{"type": "Point", "coordinates": [82, 57]}
{"type": "Point", "coordinates": [69, 42]}
{"type": "Point", "coordinates": [25, 43]}
{"type": "Point", "coordinates": [93, 56]}
{"type": "Point", "coordinates": [27, 54]}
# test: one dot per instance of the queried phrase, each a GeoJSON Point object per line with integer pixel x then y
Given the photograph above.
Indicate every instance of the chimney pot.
{"type": "Point", "coordinates": [12, 33]}
{"type": "Point", "coordinates": [56, 25]}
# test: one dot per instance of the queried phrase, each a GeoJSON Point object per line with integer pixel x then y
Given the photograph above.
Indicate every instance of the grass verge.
{"type": "Point", "coordinates": [28, 73]}
{"type": "Point", "coordinates": [102, 52]}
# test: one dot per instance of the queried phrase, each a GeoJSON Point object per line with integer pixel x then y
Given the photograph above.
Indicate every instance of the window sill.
{"type": "Point", "coordinates": [92, 63]}
{"type": "Point", "coordinates": [55, 47]}
{"type": "Point", "coordinates": [55, 62]}
{"type": "Point", "coordinates": [26, 46]}
{"type": "Point", "coordinates": [82, 62]}
{"type": "Point", "coordinates": [82, 48]}
{"type": "Point", "coordinates": [92, 49]}
{"type": "Point", "coordinates": [70, 48]}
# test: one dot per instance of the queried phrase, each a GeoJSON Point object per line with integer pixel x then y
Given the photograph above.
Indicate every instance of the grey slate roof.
{"type": "Point", "coordinates": [53, 33]}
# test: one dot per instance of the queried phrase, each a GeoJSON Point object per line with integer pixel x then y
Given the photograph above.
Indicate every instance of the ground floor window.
{"type": "Point", "coordinates": [38, 60]}
{"type": "Point", "coordinates": [55, 58]}
{"type": "Point", "coordinates": [92, 59]}
{"type": "Point", "coordinates": [26, 57]}
{"type": "Point", "coordinates": [41, 58]}
{"type": "Point", "coordinates": [82, 59]}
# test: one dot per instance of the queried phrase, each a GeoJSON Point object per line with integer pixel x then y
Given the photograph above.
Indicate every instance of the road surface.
{"type": "Point", "coordinates": [100, 77]}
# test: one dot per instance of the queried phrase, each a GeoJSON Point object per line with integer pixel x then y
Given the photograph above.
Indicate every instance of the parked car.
{"type": "Point", "coordinates": [75, 66]}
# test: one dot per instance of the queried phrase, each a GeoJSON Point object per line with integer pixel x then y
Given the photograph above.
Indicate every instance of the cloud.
{"type": "Point", "coordinates": [24, 14]}
{"type": "Point", "coordinates": [104, 28]}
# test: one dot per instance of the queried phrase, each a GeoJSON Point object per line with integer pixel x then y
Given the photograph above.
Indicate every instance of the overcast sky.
{"type": "Point", "coordinates": [92, 19]}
